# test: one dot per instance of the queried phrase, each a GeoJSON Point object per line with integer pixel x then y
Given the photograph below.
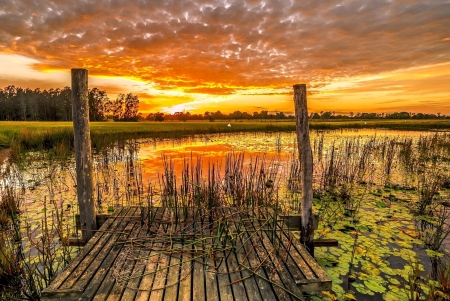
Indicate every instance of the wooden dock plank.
{"type": "Point", "coordinates": [297, 265]}
{"type": "Point", "coordinates": [61, 294]}
{"type": "Point", "coordinates": [153, 257]}
{"type": "Point", "coordinates": [324, 281]}
{"type": "Point", "coordinates": [103, 280]}
{"type": "Point", "coordinates": [246, 278]}
{"type": "Point", "coordinates": [281, 275]}
{"type": "Point", "coordinates": [174, 267]}
{"type": "Point", "coordinates": [187, 265]}
{"type": "Point", "coordinates": [199, 271]}
{"type": "Point", "coordinates": [128, 264]}
{"type": "Point", "coordinates": [309, 276]}
{"type": "Point", "coordinates": [133, 285]}
{"type": "Point", "coordinates": [185, 287]}
{"type": "Point", "coordinates": [211, 285]}
{"type": "Point", "coordinates": [177, 261]}
{"type": "Point", "coordinates": [85, 251]}
{"type": "Point", "coordinates": [236, 283]}
{"type": "Point", "coordinates": [159, 282]}
{"type": "Point", "coordinates": [223, 274]}
{"type": "Point", "coordinates": [265, 288]}
{"type": "Point", "coordinates": [261, 257]}
{"type": "Point", "coordinates": [117, 222]}
{"type": "Point", "coordinates": [311, 281]}
{"type": "Point", "coordinates": [85, 271]}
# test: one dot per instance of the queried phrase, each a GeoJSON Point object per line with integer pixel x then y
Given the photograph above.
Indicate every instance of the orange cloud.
{"type": "Point", "coordinates": [227, 48]}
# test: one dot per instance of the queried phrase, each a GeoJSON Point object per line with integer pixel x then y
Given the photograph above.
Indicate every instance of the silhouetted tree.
{"type": "Point", "coordinates": [159, 116]}
{"type": "Point", "coordinates": [131, 112]}
{"type": "Point", "coordinates": [97, 99]}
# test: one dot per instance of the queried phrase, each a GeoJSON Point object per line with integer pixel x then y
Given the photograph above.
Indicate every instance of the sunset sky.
{"type": "Point", "coordinates": [227, 55]}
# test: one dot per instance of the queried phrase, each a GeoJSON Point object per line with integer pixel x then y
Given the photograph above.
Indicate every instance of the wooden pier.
{"type": "Point", "coordinates": [190, 254]}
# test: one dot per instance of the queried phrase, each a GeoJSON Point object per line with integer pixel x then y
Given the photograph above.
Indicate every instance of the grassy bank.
{"type": "Point", "coordinates": [38, 135]}
{"type": "Point", "coordinates": [45, 135]}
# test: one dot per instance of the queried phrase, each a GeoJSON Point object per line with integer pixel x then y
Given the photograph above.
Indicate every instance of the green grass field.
{"type": "Point", "coordinates": [38, 135]}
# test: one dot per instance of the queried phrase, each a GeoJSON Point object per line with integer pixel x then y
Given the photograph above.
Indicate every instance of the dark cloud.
{"type": "Point", "coordinates": [219, 47]}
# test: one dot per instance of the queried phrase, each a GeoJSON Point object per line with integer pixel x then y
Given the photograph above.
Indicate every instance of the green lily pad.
{"type": "Point", "coordinates": [433, 254]}
{"type": "Point", "coordinates": [375, 286]}
{"type": "Point", "coordinates": [380, 204]}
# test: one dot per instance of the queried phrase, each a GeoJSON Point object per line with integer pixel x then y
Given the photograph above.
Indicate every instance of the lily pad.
{"type": "Point", "coordinates": [375, 286]}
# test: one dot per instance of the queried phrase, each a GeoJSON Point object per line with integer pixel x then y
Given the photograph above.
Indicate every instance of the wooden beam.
{"type": "Point", "coordinates": [305, 158]}
{"type": "Point", "coordinates": [100, 219]}
{"type": "Point", "coordinates": [76, 242]}
{"type": "Point", "coordinates": [326, 243]}
{"type": "Point", "coordinates": [294, 221]}
{"type": "Point", "coordinates": [83, 152]}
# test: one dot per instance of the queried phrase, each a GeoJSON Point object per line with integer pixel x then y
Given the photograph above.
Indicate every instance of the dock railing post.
{"type": "Point", "coordinates": [83, 152]}
{"type": "Point", "coordinates": [306, 166]}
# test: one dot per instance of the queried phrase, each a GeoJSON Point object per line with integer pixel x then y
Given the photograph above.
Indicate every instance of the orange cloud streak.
{"type": "Point", "coordinates": [210, 48]}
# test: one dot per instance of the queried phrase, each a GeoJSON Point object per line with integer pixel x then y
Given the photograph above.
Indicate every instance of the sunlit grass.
{"type": "Point", "coordinates": [38, 135]}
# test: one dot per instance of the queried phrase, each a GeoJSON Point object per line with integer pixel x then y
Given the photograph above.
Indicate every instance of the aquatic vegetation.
{"type": "Point", "coordinates": [382, 196]}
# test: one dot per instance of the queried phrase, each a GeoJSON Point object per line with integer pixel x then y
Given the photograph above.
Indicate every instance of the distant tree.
{"type": "Point", "coordinates": [118, 107]}
{"type": "Point", "coordinates": [56, 104]}
{"type": "Point", "coordinates": [109, 109]}
{"type": "Point", "coordinates": [97, 100]}
{"type": "Point", "coordinates": [280, 115]}
{"type": "Point", "coordinates": [368, 115]}
{"type": "Point", "coordinates": [131, 109]}
{"type": "Point", "coordinates": [398, 115]}
{"type": "Point", "coordinates": [66, 104]}
{"type": "Point", "coordinates": [22, 104]}
{"type": "Point", "coordinates": [218, 115]}
{"type": "Point", "coordinates": [159, 116]}
{"type": "Point", "coordinates": [264, 115]}
{"type": "Point", "coordinates": [327, 115]}
{"type": "Point", "coordinates": [236, 115]}
{"type": "Point", "coordinates": [315, 116]}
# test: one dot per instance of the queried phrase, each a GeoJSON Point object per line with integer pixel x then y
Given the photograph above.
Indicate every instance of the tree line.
{"type": "Point", "coordinates": [394, 115]}
{"type": "Point", "coordinates": [55, 105]}
{"type": "Point", "coordinates": [18, 104]}
{"type": "Point", "coordinates": [218, 115]}
{"type": "Point", "coordinates": [238, 115]}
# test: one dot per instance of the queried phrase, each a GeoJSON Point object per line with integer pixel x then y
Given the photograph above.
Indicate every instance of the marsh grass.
{"type": "Point", "coordinates": [45, 135]}
{"type": "Point", "coordinates": [425, 288]}
{"type": "Point", "coordinates": [27, 136]}
{"type": "Point", "coordinates": [33, 250]}
{"type": "Point", "coordinates": [348, 172]}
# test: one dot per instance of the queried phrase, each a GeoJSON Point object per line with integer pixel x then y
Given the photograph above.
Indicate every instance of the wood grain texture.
{"type": "Point", "coordinates": [306, 166]}
{"type": "Point", "coordinates": [83, 152]}
{"type": "Point", "coordinates": [185, 259]}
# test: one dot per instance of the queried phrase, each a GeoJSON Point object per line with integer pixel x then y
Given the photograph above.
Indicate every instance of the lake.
{"type": "Point", "coordinates": [367, 187]}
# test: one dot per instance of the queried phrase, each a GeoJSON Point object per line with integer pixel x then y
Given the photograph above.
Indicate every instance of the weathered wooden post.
{"type": "Point", "coordinates": [83, 152]}
{"type": "Point", "coordinates": [306, 166]}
